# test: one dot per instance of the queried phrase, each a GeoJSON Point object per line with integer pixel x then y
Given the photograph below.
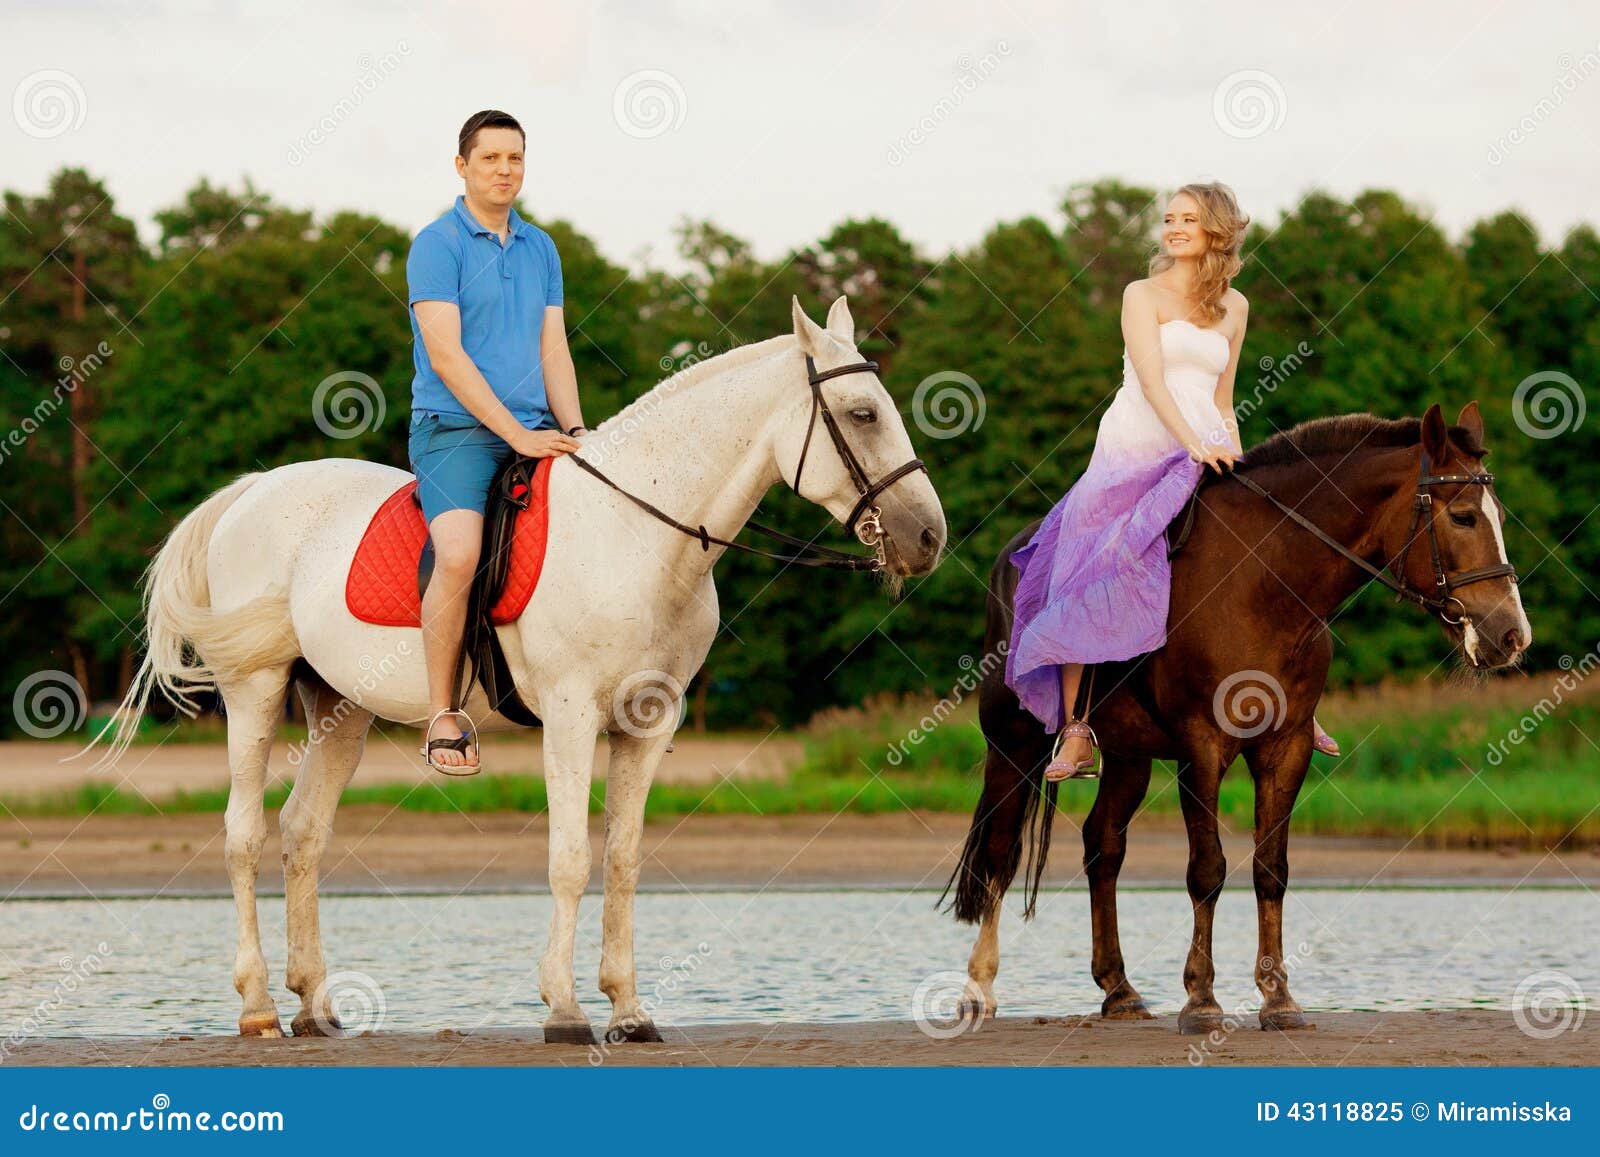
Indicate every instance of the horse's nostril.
{"type": "Point", "coordinates": [929, 539]}
{"type": "Point", "coordinates": [1513, 639]}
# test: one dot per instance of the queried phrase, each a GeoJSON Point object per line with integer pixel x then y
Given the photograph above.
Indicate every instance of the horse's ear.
{"type": "Point", "coordinates": [1472, 421]}
{"type": "Point", "coordinates": [810, 334]}
{"type": "Point", "coordinates": [840, 324]}
{"type": "Point", "coordinates": [1434, 434]}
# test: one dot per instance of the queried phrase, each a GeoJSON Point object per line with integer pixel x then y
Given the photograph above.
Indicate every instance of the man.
{"type": "Point", "coordinates": [494, 377]}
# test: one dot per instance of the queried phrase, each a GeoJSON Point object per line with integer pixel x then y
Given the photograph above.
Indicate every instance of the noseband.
{"type": "Point", "coordinates": [868, 489]}
{"type": "Point", "coordinates": [1444, 584]}
{"type": "Point", "coordinates": [808, 551]}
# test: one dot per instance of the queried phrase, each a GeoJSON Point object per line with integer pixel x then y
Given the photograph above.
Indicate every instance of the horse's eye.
{"type": "Point", "coordinates": [864, 416]}
{"type": "Point", "coordinates": [1463, 519]}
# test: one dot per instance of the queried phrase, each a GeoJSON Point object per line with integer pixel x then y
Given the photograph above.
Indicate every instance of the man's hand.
{"type": "Point", "coordinates": [543, 443]}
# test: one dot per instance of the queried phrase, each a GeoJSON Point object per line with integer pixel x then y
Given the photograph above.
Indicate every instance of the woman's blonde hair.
{"type": "Point", "coordinates": [1224, 227]}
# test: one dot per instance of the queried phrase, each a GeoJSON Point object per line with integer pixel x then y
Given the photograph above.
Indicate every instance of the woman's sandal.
{"type": "Point", "coordinates": [458, 743]}
{"type": "Point", "coordinates": [1060, 768]}
{"type": "Point", "coordinates": [1322, 741]}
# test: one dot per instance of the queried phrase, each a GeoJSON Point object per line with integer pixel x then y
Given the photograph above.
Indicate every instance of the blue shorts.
{"type": "Point", "coordinates": [455, 459]}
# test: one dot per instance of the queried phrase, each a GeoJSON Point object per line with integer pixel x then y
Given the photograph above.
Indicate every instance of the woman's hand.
{"type": "Point", "coordinates": [1212, 455]}
{"type": "Point", "coordinates": [543, 443]}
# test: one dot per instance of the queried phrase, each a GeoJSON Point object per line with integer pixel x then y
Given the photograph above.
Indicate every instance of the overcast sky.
{"type": "Point", "coordinates": [778, 120]}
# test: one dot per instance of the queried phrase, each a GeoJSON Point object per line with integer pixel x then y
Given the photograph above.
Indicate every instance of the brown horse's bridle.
{"type": "Point", "coordinates": [1444, 584]}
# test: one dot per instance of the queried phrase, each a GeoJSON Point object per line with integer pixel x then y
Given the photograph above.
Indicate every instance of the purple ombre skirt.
{"type": "Point", "coordinates": [1095, 579]}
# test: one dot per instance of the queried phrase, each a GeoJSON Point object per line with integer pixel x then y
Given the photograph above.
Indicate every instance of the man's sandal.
{"type": "Point", "coordinates": [457, 743]}
{"type": "Point", "coordinates": [1061, 768]}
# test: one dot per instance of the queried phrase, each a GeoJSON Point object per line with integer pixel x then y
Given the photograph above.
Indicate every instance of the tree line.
{"type": "Point", "coordinates": [136, 378]}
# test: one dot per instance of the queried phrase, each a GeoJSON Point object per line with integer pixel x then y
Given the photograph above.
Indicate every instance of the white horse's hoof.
{"type": "Point", "coordinates": [261, 1024]}
{"type": "Point", "coordinates": [633, 1032]}
{"type": "Point", "coordinates": [568, 1032]}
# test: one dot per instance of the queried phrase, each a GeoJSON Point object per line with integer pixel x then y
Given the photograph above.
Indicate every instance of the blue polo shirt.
{"type": "Point", "coordinates": [502, 293]}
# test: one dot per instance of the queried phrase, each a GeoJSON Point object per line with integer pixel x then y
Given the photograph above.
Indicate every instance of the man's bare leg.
{"type": "Point", "coordinates": [457, 539]}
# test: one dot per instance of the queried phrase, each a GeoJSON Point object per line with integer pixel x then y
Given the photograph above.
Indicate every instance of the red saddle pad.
{"type": "Point", "coordinates": [382, 585]}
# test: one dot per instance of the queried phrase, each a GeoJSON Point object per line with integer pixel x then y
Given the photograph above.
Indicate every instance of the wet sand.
{"type": "Point", "coordinates": [379, 849]}
{"type": "Point", "coordinates": [1477, 1037]}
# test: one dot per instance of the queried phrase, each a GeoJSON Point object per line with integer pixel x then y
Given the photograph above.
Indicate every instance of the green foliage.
{"type": "Point", "coordinates": [222, 330]}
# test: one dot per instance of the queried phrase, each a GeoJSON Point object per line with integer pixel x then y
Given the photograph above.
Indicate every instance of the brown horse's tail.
{"type": "Point", "coordinates": [1017, 808]}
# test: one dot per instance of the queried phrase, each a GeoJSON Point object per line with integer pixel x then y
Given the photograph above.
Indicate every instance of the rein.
{"type": "Point", "coordinates": [820, 556]}
{"type": "Point", "coordinates": [1444, 584]}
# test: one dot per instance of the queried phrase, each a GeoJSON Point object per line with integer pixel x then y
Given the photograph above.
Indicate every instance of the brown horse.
{"type": "Point", "coordinates": [1244, 664]}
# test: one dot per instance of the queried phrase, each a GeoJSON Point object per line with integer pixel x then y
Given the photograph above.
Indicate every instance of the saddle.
{"type": "Point", "coordinates": [394, 562]}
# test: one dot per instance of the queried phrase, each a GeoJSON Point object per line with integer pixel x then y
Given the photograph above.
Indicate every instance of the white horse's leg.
{"type": "Point", "coordinates": [254, 704]}
{"type": "Point", "coordinates": [338, 735]}
{"type": "Point", "coordinates": [628, 777]}
{"type": "Point", "coordinates": [568, 768]}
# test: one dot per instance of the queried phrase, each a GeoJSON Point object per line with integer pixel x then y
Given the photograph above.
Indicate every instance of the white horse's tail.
{"type": "Point", "coordinates": [186, 643]}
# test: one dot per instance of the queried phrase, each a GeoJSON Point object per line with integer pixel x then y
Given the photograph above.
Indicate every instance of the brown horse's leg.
{"type": "Point", "coordinates": [1105, 840]}
{"type": "Point", "coordinates": [1279, 769]}
{"type": "Point", "coordinates": [1198, 785]}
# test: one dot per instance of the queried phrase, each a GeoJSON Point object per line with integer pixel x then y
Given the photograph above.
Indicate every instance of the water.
{"type": "Point", "coordinates": [432, 962]}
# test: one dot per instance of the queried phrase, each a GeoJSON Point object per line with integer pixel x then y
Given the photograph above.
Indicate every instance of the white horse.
{"type": "Point", "coordinates": [247, 595]}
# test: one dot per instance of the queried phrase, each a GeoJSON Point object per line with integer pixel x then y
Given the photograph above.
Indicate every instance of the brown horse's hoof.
{"type": "Point", "coordinates": [260, 1024]}
{"type": "Point", "coordinates": [1126, 1008]}
{"type": "Point", "coordinates": [630, 1032]}
{"type": "Point", "coordinates": [570, 1032]}
{"type": "Point", "coordinates": [1284, 1020]}
{"type": "Point", "coordinates": [1200, 1021]}
{"type": "Point", "coordinates": [305, 1024]}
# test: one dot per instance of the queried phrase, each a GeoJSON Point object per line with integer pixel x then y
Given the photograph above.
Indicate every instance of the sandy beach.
{"type": "Point", "coordinates": [379, 849]}
{"type": "Point", "coordinates": [1477, 1037]}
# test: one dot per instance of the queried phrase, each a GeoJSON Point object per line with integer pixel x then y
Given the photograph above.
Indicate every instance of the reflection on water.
{"type": "Point", "coordinates": [470, 961]}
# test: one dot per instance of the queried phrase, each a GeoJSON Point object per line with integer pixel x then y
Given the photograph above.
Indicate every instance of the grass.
{"type": "Point", "coordinates": [1504, 762]}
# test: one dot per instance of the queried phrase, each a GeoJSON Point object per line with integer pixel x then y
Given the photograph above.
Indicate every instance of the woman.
{"type": "Point", "coordinates": [1094, 579]}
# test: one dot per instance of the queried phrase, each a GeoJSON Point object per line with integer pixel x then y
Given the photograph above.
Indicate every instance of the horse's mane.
{"type": "Point", "coordinates": [692, 375]}
{"type": "Point", "coordinates": [1342, 434]}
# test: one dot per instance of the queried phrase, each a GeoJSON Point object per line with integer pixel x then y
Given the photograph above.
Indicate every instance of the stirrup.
{"type": "Point", "coordinates": [459, 743]}
{"type": "Point", "coordinates": [1089, 768]}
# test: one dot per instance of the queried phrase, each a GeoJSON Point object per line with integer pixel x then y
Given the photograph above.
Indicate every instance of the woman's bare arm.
{"type": "Point", "coordinates": [1224, 395]}
{"type": "Point", "coordinates": [1141, 332]}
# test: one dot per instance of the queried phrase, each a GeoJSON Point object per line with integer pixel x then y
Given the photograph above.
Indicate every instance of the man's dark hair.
{"type": "Point", "coordinates": [489, 118]}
